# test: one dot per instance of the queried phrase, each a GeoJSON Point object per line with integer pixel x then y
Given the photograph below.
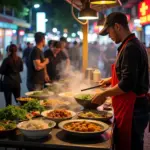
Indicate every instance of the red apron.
{"type": "Point", "coordinates": [123, 106]}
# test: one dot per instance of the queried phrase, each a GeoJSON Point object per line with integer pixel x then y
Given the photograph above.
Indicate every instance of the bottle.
{"type": "Point", "coordinates": [96, 75]}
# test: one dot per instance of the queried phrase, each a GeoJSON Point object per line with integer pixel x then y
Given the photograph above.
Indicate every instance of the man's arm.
{"type": "Point", "coordinates": [40, 65]}
{"type": "Point", "coordinates": [114, 91]}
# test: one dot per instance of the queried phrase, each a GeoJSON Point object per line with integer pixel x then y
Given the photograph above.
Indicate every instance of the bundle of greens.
{"type": "Point", "coordinates": [33, 105]}
{"type": "Point", "coordinates": [12, 113]}
{"type": "Point", "coordinates": [7, 125]}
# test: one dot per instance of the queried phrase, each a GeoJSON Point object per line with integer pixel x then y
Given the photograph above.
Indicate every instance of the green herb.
{"type": "Point", "coordinates": [84, 96]}
{"type": "Point", "coordinates": [8, 125]}
{"type": "Point", "coordinates": [12, 113]}
{"type": "Point", "coordinates": [33, 105]}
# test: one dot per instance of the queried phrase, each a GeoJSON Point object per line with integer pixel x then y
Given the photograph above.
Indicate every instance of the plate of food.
{"type": "Point", "coordinates": [23, 100]}
{"type": "Point", "coordinates": [7, 127]}
{"type": "Point", "coordinates": [85, 100]}
{"type": "Point", "coordinates": [36, 129]}
{"type": "Point", "coordinates": [58, 115]}
{"type": "Point", "coordinates": [54, 103]}
{"type": "Point", "coordinates": [39, 94]}
{"type": "Point", "coordinates": [83, 127]}
{"type": "Point", "coordinates": [67, 94]}
{"type": "Point", "coordinates": [95, 115]}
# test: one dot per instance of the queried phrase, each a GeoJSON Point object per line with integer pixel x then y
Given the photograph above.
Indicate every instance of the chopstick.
{"type": "Point", "coordinates": [91, 88]}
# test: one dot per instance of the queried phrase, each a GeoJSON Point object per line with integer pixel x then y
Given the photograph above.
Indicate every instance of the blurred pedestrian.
{"type": "Point", "coordinates": [64, 50]}
{"type": "Point", "coordinates": [74, 54]}
{"type": "Point", "coordinates": [109, 57]}
{"type": "Point", "coordinates": [7, 48]}
{"type": "Point", "coordinates": [10, 69]}
{"type": "Point", "coordinates": [26, 53]}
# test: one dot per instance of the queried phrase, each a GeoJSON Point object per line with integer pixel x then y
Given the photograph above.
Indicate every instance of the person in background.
{"type": "Point", "coordinates": [94, 54]}
{"type": "Point", "coordinates": [74, 54]}
{"type": "Point", "coordinates": [63, 42]}
{"type": "Point", "coordinates": [11, 68]}
{"type": "Point", "coordinates": [37, 72]}
{"type": "Point", "coordinates": [26, 53]}
{"type": "Point", "coordinates": [109, 58]}
{"type": "Point", "coordinates": [129, 85]}
{"type": "Point", "coordinates": [56, 57]}
{"type": "Point", "coordinates": [7, 48]}
{"type": "Point", "coordinates": [20, 48]}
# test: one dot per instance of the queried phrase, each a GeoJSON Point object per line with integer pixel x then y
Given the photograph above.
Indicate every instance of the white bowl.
{"type": "Point", "coordinates": [57, 120]}
{"type": "Point", "coordinates": [36, 134]}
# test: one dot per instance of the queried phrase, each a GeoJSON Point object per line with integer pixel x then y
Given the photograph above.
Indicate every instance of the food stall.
{"type": "Point", "coordinates": [56, 119]}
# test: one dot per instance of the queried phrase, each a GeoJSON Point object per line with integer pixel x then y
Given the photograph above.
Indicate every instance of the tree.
{"type": "Point", "coordinates": [62, 17]}
{"type": "Point", "coordinates": [21, 7]}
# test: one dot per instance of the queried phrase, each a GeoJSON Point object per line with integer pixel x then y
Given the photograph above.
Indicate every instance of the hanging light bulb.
{"type": "Point", "coordinates": [103, 2]}
{"type": "Point", "coordinates": [87, 13]}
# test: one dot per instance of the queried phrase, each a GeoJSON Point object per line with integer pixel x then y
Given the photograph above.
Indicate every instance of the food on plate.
{"type": "Point", "coordinates": [33, 114]}
{"type": "Point", "coordinates": [33, 105]}
{"type": "Point", "coordinates": [53, 102]}
{"type": "Point", "coordinates": [84, 96]}
{"type": "Point", "coordinates": [25, 99]}
{"type": "Point", "coordinates": [35, 125]}
{"type": "Point", "coordinates": [12, 113]}
{"type": "Point", "coordinates": [83, 126]}
{"type": "Point", "coordinates": [7, 125]}
{"type": "Point", "coordinates": [67, 94]}
{"type": "Point", "coordinates": [90, 114]}
{"type": "Point", "coordinates": [59, 113]}
{"type": "Point", "coordinates": [44, 92]}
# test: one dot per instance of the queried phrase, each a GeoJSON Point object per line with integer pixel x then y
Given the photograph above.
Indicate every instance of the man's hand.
{"type": "Point", "coordinates": [105, 82]}
{"type": "Point", "coordinates": [99, 98]}
{"type": "Point", "coordinates": [47, 79]}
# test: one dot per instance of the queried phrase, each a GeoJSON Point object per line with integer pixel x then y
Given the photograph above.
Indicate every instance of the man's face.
{"type": "Point", "coordinates": [63, 45]}
{"type": "Point", "coordinates": [114, 34]}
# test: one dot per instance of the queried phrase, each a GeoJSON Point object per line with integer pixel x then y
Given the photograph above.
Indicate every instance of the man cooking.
{"type": "Point", "coordinates": [129, 84]}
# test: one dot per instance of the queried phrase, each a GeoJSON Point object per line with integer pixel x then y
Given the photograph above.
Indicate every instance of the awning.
{"type": "Point", "coordinates": [13, 20]}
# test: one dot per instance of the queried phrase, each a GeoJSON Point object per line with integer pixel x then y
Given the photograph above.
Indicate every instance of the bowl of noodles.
{"type": "Point", "coordinates": [36, 129]}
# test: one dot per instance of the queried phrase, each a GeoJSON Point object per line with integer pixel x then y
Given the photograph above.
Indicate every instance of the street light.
{"type": "Point", "coordinates": [30, 12]}
{"type": "Point", "coordinates": [36, 5]}
{"type": "Point", "coordinates": [54, 30]}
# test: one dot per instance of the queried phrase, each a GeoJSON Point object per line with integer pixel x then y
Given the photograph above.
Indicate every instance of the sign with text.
{"type": "Point", "coordinates": [144, 12]}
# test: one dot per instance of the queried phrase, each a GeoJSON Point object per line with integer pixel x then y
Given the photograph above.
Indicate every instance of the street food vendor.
{"type": "Point", "coordinates": [129, 84]}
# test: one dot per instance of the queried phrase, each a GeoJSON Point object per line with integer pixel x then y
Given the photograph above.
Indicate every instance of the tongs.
{"type": "Point", "coordinates": [91, 88]}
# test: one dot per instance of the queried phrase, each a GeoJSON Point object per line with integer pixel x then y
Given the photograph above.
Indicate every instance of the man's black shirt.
{"type": "Point", "coordinates": [132, 67]}
{"type": "Point", "coordinates": [53, 68]}
{"type": "Point", "coordinates": [34, 76]}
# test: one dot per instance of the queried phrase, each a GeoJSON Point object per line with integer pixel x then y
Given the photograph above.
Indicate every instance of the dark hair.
{"type": "Point", "coordinates": [13, 52]}
{"type": "Point", "coordinates": [75, 42]}
{"type": "Point", "coordinates": [39, 36]}
{"type": "Point", "coordinates": [51, 42]}
{"type": "Point", "coordinates": [63, 39]}
{"type": "Point", "coordinates": [28, 43]}
{"type": "Point", "coordinates": [57, 44]}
